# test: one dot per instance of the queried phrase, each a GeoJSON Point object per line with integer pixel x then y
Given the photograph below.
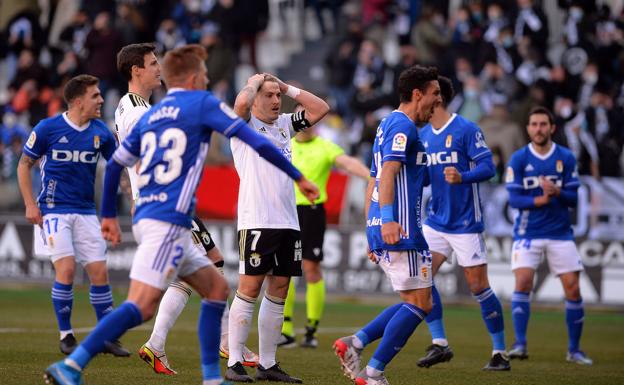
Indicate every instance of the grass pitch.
{"type": "Point", "coordinates": [29, 342]}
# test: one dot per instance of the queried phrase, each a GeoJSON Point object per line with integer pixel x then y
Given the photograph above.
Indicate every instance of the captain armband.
{"type": "Point", "coordinates": [299, 122]}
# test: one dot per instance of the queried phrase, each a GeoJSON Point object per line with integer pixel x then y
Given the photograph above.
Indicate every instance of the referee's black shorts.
{"type": "Point", "coordinates": [312, 221]}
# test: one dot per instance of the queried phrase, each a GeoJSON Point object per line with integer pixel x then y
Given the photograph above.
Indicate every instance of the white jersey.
{"type": "Point", "coordinates": [130, 109]}
{"type": "Point", "coordinates": [266, 196]}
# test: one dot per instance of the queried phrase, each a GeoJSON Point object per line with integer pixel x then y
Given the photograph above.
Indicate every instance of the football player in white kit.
{"type": "Point", "coordinates": [268, 227]}
{"type": "Point", "coordinates": [138, 64]}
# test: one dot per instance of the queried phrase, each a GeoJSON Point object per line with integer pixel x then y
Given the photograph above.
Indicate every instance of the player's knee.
{"type": "Point", "coordinates": [572, 291]}
{"type": "Point", "coordinates": [147, 309]}
{"type": "Point", "coordinates": [65, 275]}
{"type": "Point", "coordinates": [220, 289]}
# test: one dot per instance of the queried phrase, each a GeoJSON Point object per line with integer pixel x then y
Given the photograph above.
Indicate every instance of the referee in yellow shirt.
{"type": "Point", "coordinates": [315, 157]}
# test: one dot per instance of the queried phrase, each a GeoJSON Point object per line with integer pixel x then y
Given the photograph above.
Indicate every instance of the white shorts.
{"type": "Point", "coordinates": [469, 248]}
{"type": "Point", "coordinates": [165, 252]}
{"type": "Point", "coordinates": [407, 269]}
{"type": "Point", "coordinates": [70, 235]}
{"type": "Point", "coordinates": [562, 256]}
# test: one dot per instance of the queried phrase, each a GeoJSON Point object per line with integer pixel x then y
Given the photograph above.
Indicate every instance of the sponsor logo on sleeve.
{"type": "Point", "coordinates": [509, 178]}
{"type": "Point", "coordinates": [399, 142]}
{"type": "Point", "coordinates": [31, 140]}
{"type": "Point", "coordinates": [480, 140]}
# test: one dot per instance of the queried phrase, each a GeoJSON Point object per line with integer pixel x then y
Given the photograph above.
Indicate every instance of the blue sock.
{"type": "Point", "coordinates": [574, 318]}
{"type": "Point", "coordinates": [492, 313]}
{"type": "Point", "coordinates": [520, 314]}
{"type": "Point", "coordinates": [375, 328]}
{"type": "Point", "coordinates": [396, 334]}
{"type": "Point", "coordinates": [209, 331]}
{"type": "Point", "coordinates": [101, 299]}
{"type": "Point", "coordinates": [62, 300]}
{"type": "Point", "coordinates": [434, 318]}
{"type": "Point", "coordinates": [110, 328]}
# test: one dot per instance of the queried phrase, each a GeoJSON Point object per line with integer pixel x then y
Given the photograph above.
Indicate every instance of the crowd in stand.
{"type": "Point", "coordinates": [502, 56]}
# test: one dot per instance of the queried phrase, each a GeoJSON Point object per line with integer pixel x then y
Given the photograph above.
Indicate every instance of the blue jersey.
{"type": "Point", "coordinates": [522, 177]}
{"type": "Point", "coordinates": [171, 139]}
{"type": "Point", "coordinates": [397, 140]}
{"type": "Point", "coordinates": [69, 156]}
{"type": "Point", "coordinates": [454, 208]}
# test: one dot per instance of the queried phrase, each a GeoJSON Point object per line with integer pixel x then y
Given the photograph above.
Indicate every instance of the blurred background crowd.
{"type": "Point", "coordinates": [504, 57]}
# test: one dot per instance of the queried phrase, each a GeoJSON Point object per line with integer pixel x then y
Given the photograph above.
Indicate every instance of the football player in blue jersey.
{"type": "Point", "coordinates": [542, 182]}
{"type": "Point", "coordinates": [68, 147]}
{"type": "Point", "coordinates": [458, 160]}
{"type": "Point", "coordinates": [393, 228]}
{"type": "Point", "coordinates": [171, 141]}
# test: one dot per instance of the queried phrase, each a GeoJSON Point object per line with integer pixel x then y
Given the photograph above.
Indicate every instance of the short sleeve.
{"type": "Point", "coordinates": [513, 174]}
{"type": "Point", "coordinates": [129, 152]}
{"type": "Point", "coordinates": [476, 146]}
{"type": "Point", "coordinates": [394, 144]}
{"type": "Point", "coordinates": [286, 121]}
{"type": "Point", "coordinates": [132, 117]}
{"type": "Point", "coordinates": [218, 116]}
{"type": "Point", "coordinates": [37, 143]}
{"type": "Point", "coordinates": [332, 150]}
{"type": "Point", "coordinates": [570, 173]}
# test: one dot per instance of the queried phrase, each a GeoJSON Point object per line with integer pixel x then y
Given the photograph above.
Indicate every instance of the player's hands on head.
{"type": "Point", "coordinates": [282, 86]}
{"type": "Point", "coordinates": [256, 81]}
{"type": "Point", "coordinates": [111, 231]}
{"type": "Point", "coordinates": [549, 187]}
{"type": "Point", "coordinates": [308, 189]}
{"type": "Point", "coordinates": [33, 214]}
{"type": "Point", "coordinates": [452, 176]}
{"type": "Point", "coordinates": [391, 232]}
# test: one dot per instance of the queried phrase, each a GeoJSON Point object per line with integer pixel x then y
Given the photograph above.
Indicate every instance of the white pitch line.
{"type": "Point", "coordinates": [327, 330]}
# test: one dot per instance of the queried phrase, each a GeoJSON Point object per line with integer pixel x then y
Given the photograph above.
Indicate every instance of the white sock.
{"type": "Point", "coordinates": [270, 320]}
{"type": "Point", "coordinates": [372, 372]}
{"type": "Point", "coordinates": [239, 323]}
{"type": "Point", "coordinates": [214, 381]}
{"type": "Point", "coordinates": [357, 342]}
{"type": "Point", "coordinates": [225, 328]}
{"type": "Point", "coordinates": [440, 341]}
{"type": "Point", "coordinates": [65, 333]}
{"type": "Point", "coordinates": [171, 306]}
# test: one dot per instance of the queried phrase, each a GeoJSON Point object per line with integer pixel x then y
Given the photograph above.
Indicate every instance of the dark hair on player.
{"type": "Point", "coordinates": [77, 87]}
{"type": "Point", "coordinates": [181, 62]}
{"type": "Point", "coordinates": [446, 90]}
{"type": "Point", "coordinates": [415, 77]}
{"type": "Point", "coordinates": [543, 111]}
{"type": "Point", "coordinates": [132, 55]}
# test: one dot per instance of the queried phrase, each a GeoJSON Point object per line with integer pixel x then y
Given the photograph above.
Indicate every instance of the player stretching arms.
{"type": "Point", "coordinates": [393, 201]}
{"type": "Point", "coordinates": [69, 146]}
{"type": "Point", "coordinates": [542, 182]}
{"type": "Point", "coordinates": [268, 229]}
{"type": "Point", "coordinates": [458, 160]}
{"type": "Point", "coordinates": [139, 66]}
{"type": "Point", "coordinates": [170, 141]}
{"type": "Point", "coordinates": [315, 157]}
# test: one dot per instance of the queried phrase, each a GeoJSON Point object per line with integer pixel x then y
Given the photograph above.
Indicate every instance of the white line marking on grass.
{"type": "Point", "coordinates": [328, 330]}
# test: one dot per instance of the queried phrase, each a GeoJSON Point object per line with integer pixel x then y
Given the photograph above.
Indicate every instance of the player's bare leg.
{"type": "Point", "coordinates": [439, 351]}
